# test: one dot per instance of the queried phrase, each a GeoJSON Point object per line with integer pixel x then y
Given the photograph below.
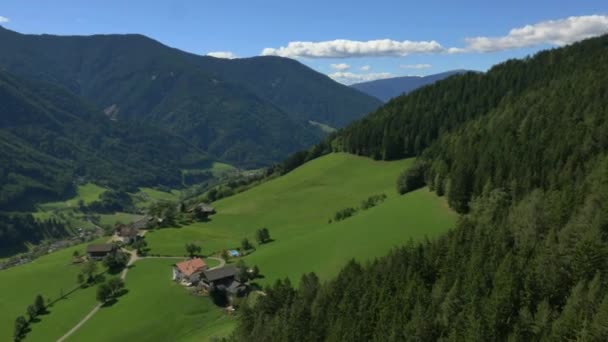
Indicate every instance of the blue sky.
{"type": "Point", "coordinates": [362, 40]}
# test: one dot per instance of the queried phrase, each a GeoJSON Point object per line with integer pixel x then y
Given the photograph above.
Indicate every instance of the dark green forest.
{"type": "Point", "coordinates": [50, 139]}
{"type": "Point", "coordinates": [521, 152]}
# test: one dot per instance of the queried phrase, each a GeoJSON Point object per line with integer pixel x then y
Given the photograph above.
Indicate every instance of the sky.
{"type": "Point", "coordinates": [351, 41]}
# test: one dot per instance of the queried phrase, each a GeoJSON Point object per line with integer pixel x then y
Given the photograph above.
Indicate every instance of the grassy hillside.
{"type": "Point", "coordinates": [155, 309]}
{"type": "Point", "coordinates": [49, 276]}
{"type": "Point", "coordinates": [296, 209]}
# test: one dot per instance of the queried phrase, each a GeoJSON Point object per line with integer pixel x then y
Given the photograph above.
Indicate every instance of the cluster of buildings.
{"type": "Point", "coordinates": [195, 272]}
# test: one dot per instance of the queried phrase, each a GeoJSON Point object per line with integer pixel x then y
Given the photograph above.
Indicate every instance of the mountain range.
{"type": "Point", "coordinates": [388, 88]}
{"type": "Point", "coordinates": [247, 112]}
{"type": "Point", "coordinates": [129, 111]}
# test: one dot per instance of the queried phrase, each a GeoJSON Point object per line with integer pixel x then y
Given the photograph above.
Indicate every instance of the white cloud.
{"type": "Point", "coordinates": [555, 32]}
{"type": "Point", "coordinates": [365, 68]}
{"type": "Point", "coordinates": [222, 54]}
{"type": "Point", "coordinates": [340, 66]}
{"type": "Point", "coordinates": [415, 66]}
{"type": "Point", "coordinates": [350, 78]}
{"type": "Point", "coordinates": [4, 20]}
{"type": "Point", "coordinates": [343, 48]}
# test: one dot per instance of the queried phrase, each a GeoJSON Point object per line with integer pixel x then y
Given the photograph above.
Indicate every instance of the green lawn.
{"type": "Point", "coordinates": [296, 208]}
{"type": "Point", "coordinates": [219, 169]}
{"type": "Point", "coordinates": [112, 219]}
{"type": "Point", "coordinates": [87, 193]}
{"type": "Point", "coordinates": [155, 309]}
{"type": "Point", "coordinates": [158, 195]}
{"type": "Point", "coordinates": [49, 276]}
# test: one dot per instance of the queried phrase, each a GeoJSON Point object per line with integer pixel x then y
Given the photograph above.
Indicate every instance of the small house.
{"type": "Point", "coordinates": [202, 210]}
{"type": "Point", "coordinates": [224, 279]}
{"type": "Point", "coordinates": [127, 234]}
{"type": "Point", "coordinates": [100, 250]}
{"type": "Point", "coordinates": [189, 271]}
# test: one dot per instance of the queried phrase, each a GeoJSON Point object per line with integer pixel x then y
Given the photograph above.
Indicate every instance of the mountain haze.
{"type": "Point", "coordinates": [388, 88]}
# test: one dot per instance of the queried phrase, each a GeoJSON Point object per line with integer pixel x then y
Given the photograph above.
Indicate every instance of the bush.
{"type": "Point", "coordinates": [344, 214]}
{"type": "Point", "coordinates": [372, 201]}
{"type": "Point", "coordinates": [411, 179]}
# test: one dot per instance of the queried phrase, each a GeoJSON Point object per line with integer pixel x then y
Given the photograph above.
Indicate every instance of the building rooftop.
{"type": "Point", "coordinates": [220, 273]}
{"type": "Point", "coordinates": [191, 266]}
{"type": "Point", "coordinates": [100, 248]}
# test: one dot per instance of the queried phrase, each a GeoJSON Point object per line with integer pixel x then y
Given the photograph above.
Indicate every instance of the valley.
{"type": "Point", "coordinates": [249, 173]}
{"type": "Point", "coordinates": [295, 208]}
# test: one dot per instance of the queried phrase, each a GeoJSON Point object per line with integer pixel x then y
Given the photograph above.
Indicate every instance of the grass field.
{"type": "Point", "coordinates": [87, 193]}
{"type": "Point", "coordinates": [112, 219]}
{"type": "Point", "coordinates": [296, 208]}
{"type": "Point", "coordinates": [49, 276]}
{"type": "Point", "coordinates": [155, 309]}
{"type": "Point", "coordinates": [157, 195]}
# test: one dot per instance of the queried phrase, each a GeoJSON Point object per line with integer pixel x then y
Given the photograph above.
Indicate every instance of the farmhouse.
{"type": "Point", "coordinates": [202, 210]}
{"type": "Point", "coordinates": [127, 234]}
{"type": "Point", "coordinates": [189, 271]}
{"type": "Point", "coordinates": [224, 279]}
{"type": "Point", "coordinates": [99, 251]}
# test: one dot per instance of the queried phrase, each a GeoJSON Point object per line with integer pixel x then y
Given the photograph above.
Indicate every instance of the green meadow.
{"type": "Point", "coordinates": [50, 276]}
{"type": "Point", "coordinates": [155, 309]}
{"type": "Point", "coordinates": [296, 209]}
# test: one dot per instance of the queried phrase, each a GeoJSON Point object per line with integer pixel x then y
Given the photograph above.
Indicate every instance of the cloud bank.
{"type": "Point", "coordinates": [222, 54]}
{"type": "Point", "coordinates": [553, 32]}
{"type": "Point", "coordinates": [343, 48]}
{"type": "Point", "coordinates": [351, 78]}
{"type": "Point", "coordinates": [4, 20]}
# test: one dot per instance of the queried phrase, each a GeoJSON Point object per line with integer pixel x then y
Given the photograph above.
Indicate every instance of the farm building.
{"type": "Point", "coordinates": [189, 271]}
{"type": "Point", "coordinates": [202, 210]}
{"type": "Point", "coordinates": [127, 233]}
{"type": "Point", "coordinates": [99, 251]}
{"type": "Point", "coordinates": [224, 279]}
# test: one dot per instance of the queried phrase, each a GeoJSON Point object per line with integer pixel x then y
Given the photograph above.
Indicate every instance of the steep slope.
{"type": "Point", "coordinates": [232, 109]}
{"type": "Point", "coordinates": [296, 209]}
{"type": "Point", "coordinates": [50, 138]}
{"type": "Point", "coordinates": [295, 88]}
{"type": "Point", "coordinates": [529, 259]}
{"type": "Point", "coordinates": [389, 88]}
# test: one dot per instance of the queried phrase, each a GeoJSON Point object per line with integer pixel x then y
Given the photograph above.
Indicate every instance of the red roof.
{"type": "Point", "coordinates": [191, 266]}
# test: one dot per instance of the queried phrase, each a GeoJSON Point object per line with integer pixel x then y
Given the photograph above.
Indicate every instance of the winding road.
{"type": "Point", "coordinates": [132, 259]}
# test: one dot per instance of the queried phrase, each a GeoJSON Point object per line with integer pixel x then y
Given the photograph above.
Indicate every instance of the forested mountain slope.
{"type": "Point", "coordinates": [523, 152]}
{"type": "Point", "coordinates": [50, 138]}
{"type": "Point", "coordinates": [249, 112]}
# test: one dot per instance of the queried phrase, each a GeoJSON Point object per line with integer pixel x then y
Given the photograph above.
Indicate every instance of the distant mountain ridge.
{"type": "Point", "coordinates": [388, 88]}
{"type": "Point", "coordinates": [248, 112]}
